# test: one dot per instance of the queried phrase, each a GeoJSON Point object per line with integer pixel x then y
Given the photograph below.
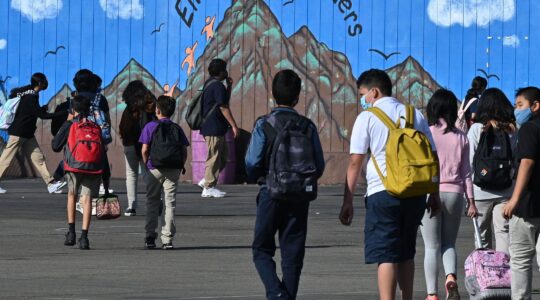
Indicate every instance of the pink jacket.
{"type": "Point", "coordinates": [453, 152]}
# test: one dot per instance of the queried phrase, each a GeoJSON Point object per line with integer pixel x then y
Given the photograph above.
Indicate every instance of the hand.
{"type": "Point", "coordinates": [508, 209]}
{"type": "Point", "coordinates": [236, 132]}
{"type": "Point", "coordinates": [433, 205]}
{"type": "Point", "coordinates": [346, 214]}
{"type": "Point", "coordinates": [229, 81]}
{"type": "Point", "coordinates": [70, 117]}
{"type": "Point", "coordinates": [472, 212]}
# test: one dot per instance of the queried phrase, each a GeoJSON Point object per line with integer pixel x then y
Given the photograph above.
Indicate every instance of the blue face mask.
{"type": "Point", "coordinates": [364, 103]}
{"type": "Point", "coordinates": [523, 115]}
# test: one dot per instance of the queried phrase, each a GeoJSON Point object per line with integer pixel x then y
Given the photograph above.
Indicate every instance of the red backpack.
{"type": "Point", "coordinates": [84, 149]}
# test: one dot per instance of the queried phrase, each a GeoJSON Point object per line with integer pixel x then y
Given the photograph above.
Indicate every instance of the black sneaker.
{"type": "Point", "coordinates": [70, 238]}
{"type": "Point", "coordinates": [167, 246]}
{"type": "Point", "coordinates": [84, 244]}
{"type": "Point", "coordinates": [130, 212]}
{"type": "Point", "coordinates": [150, 243]}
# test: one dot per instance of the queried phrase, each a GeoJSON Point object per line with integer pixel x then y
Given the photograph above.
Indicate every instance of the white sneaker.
{"type": "Point", "coordinates": [55, 186]}
{"type": "Point", "coordinates": [78, 207]}
{"type": "Point", "coordinates": [93, 207]}
{"type": "Point", "coordinates": [212, 193]}
{"type": "Point", "coordinates": [2, 191]}
{"type": "Point", "coordinates": [202, 183]}
{"type": "Point", "coordinates": [60, 191]}
{"type": "Point", "coordinates": [102, 190]}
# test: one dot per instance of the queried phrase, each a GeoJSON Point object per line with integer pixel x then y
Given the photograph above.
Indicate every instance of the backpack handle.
{"type": "Point", "coordinates": [409, 120]}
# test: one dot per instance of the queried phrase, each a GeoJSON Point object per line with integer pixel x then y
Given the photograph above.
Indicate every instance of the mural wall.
{"type": "Point", "coordinates": [422, 44]}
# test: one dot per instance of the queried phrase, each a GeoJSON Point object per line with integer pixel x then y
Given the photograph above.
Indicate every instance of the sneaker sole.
{"type": "Point", "coordinates": [212, 196]}
{"type": "Point", "coordinates": [129, 214]}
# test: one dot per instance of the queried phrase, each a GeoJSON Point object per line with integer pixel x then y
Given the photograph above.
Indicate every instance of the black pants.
{"type": "Point", "coordinates": [290, 220]}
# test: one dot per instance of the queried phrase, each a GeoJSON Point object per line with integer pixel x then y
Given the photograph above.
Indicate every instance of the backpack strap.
{"type": "Point", "coordinates": [409, 119]}
{"type": "Point", "coordinates": [469, 104]}
{"type": "Point", "coordinates": [381, 115]}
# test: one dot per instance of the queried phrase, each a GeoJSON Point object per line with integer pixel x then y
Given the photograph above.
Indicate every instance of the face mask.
{"type": "Point", "coordinates": [523, 115]}
{"type": "Point", "coordinates": [364, 103]}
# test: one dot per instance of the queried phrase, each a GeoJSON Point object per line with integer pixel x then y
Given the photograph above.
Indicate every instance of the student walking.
{"type": "Point", "coordinates": [286, 213]}
{"type": "Point", "coordinates": [164, 152]}
{"type": "Point", "coordinates": [219, 117]}
{"type": "Point", "coordinates": [84, 153]}
{"type": "Point", "coordinates": [440, 232]}
{"type": "Point", "coordinates": [139, 111]}
{"type": "Point", "coordinates": [523, 208]}
{"type": "Point", "coordinates": [23, 128]}
{"type": "Point", "coordinates": [391, 223]}
{"type": "Point", "coordinates": [478, 86]}
{"type": "Point", "coordinates": [491, 140]}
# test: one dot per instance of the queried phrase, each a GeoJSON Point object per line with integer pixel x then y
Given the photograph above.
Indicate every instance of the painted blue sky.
{"type": "Point", "coordinates": [450, 38]}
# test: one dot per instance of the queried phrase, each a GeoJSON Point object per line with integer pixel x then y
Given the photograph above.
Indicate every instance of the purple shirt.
{"type": "Point", "coordinates": [148, 133]}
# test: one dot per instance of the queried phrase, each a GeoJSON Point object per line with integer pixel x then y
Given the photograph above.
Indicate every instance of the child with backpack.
{"type": "Point", "coordinates": [84, 157]}
{"type": "Point", "coordinates": [19, 116]}
{"type": "Point", "coordinates": [523, 208]}
{"type": "Point", "coordinates": [440, 232]}
{"type": "Point", "coordinates": [164, 152]}
{"type": "Point", "coordinates": [395, 203]}
{"type": "Point", "coordinates": [491, 140]}
{"type": "Point", "coordinates": [288, 182]}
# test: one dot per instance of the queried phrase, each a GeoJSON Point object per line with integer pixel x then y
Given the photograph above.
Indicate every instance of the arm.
{"type": "Point", "coordinates": [60, 139]}
{"type": "Point", "coordinates": [145, 153]}
{"type": "Point", "coordinates": [466, 176]}
{"type": "Point", "coordinates": [256, 152]}
{"type": "Point", "coordinates": [319, 153]}
{"type": "Point", "coordinates": [355, 166]}
{"type": "Point", "coordinates": [526, 167]}
{"type": "Point", "coordinates": [226, 111]}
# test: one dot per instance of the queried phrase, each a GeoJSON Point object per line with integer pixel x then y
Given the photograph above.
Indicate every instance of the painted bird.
{"type": "Point", "coordinates": [386, 56]}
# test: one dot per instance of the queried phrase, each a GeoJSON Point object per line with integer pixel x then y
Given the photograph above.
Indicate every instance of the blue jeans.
{"type": "Point", "coordinates": [290, 220]}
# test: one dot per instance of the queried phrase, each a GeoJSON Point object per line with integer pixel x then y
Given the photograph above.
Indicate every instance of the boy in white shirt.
{"type": "Point", "coordinates": [391, 223]}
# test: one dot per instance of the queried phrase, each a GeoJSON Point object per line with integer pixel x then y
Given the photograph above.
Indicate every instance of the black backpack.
{"type": "Point", "coordinates": [167, 149]}
{"type": "Point", "coordinates": [292, 171]}
{"type": "Point", "coordinates": [493, 160]}
{"type": "Point", "coordinates": [194, 114]}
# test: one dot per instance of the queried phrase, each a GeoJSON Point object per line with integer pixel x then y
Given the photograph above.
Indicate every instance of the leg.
{"type": "Point", "coordinates": [89, 186]}
{"type": "Point", "coordinates": [387, 274]}
{"type": "Point", "coordinates": [453, 209]}
{"type": "Point", "coordinates": [212, 161]}
{"type": "Point", "coordinates": [264, 246]}
{"type": "Point", "coordinates": [106, 176]}
{"type": "Point", "coordinates": [292, 242]}
{"type": "Point", "coordinates": [168, 227]}
{"type": "Point", "coordinates": [13, 145]}
{"type": "Point", "coordinates": [406, 279]}
{"type": "Point", "coordinates": [132, 175]}
{"type": "Point", "coordinates": [431, 233]}
{"type": "Point", "coordinates": [153, 198]}
{"type": "Point", "coordinates": [485, 213]}
{"type": "Point", "coordinates": [500, 226]}
{"type": "Point", "coordinates": [223, 154]}
{"type": "Point", "coordinates": [31, 148]}
{"type": "Point", "coordinates": [522, 248]}
{"type": "Point", "coordinates": [73, 189]}
{"type": "Point", "coordinates": [59, 172]}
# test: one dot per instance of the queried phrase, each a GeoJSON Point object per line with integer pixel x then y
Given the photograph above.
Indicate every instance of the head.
{"type": "Point", "coordinates": [443, 105]}
{"type": "Point", "coordinates": [373, 85]}
{"type": "Point", "coordinates": [165, 107]}
{"type": "Point", "coordinates": [149, 102]}
{"type": "Point", "coordinates": [97, 82]}
{"type": "Point", "coordinates": [39, 82]}
{"type": "Point", "coordinates": [527, 104]}
{"type": "Point", "coordinates": [494, 106]}
{"type": "Point", "coordinates": [84, 81]}
{"type": "Point", "coordinates": [218, 69]}
{"type": "Point", "coordinates": [134, 94]}
{"type": "Point", "coordinates": [286, 88]}
{"type": "Point", "coordinates": [80, 105]}
{"type": "Point", "coordinates": [478, 86]}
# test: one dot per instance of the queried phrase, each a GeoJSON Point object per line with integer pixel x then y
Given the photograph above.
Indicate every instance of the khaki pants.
{"type": "Point", "coordinates": [133, 162]}
{"type": "Point", "coordinates": [30, 148]}
{"type": "Point", "coordinates": [216, 159]}
{"type": "Point", "coordinates": [524, 245]}
{"type": "Point", "coordinates": [165, 180]}
{"type": "Point", "coordinates": [490, 212]}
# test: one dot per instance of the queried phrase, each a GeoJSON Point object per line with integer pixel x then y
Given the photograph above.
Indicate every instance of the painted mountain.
{"type": "Point", "coordinates": [412, 83]}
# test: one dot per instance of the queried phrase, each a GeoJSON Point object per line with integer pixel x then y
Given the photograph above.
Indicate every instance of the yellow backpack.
{"type": "Point", "coordinates": [411, 168]}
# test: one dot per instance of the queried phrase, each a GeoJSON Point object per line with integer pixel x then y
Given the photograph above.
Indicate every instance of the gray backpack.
{"type": "Point", "coordinates": [194, 114]}
{"type": "Point", "coordinates": [292, 171]}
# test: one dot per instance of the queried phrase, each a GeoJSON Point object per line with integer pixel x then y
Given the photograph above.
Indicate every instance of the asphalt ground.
{"type": "Point", "coordinates": [211, 259]}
